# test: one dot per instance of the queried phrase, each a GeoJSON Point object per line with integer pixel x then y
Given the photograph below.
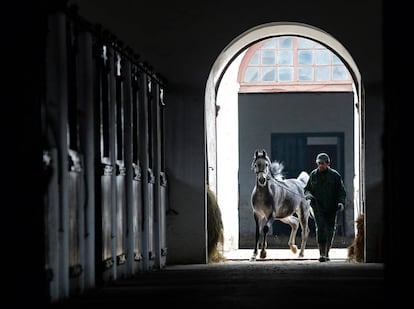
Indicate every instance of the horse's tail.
{"type": "Point", "coordinates": [303, 177]}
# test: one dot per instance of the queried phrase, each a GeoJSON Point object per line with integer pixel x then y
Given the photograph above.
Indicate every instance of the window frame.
{"type": "Point", "coordinates": [295, 85]}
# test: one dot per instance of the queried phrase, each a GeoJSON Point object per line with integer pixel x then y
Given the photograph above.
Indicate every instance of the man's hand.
{"type": "Point", "coordinates": [340, 207]}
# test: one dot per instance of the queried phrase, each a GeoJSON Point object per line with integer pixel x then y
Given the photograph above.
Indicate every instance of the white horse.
{"type": "Point", "coordinates": [276, 198]}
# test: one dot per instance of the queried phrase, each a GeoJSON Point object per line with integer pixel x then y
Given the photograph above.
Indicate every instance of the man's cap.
{"type": "Point", "coordinates": [322, 157]}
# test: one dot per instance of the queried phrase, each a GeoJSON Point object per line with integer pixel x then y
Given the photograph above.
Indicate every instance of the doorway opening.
{"type": "Point", "coordinates": [226, 158]}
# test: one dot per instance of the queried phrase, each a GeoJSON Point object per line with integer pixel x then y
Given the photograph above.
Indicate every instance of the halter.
{"type": "Point", "coordinates": [263, 173]}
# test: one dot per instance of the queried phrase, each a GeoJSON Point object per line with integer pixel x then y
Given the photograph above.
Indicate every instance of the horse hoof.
{"type": "Point", "coordinates": [253, 258]}
{"type": "Point", "coordinates": [294, 248]}
{"type": "Point", "coordinates": [262, 255]}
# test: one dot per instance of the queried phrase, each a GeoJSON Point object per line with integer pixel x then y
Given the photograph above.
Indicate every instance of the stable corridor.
{"type": "Point", "coordinates": [244, 284]}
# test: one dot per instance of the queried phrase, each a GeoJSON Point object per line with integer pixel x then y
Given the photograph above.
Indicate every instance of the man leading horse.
{"type": "Point", "coordinates": [326, 190]}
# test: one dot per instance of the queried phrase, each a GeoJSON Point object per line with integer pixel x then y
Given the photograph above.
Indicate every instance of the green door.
{"type": "Point", "coordinates": [298, 151]}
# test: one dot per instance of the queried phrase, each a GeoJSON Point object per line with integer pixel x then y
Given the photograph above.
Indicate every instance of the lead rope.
{"type": "Point", "coordinates": [282, 184]}
{"type": "Point", "coordinates": [271, 176]}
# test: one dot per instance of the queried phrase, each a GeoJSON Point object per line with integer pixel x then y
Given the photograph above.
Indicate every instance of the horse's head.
{"type": "Point", "coordinates": [261, 166]}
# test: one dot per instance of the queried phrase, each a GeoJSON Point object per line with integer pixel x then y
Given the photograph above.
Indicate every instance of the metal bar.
{"type": "Point", "coordinates": [126, 73]}
{"type": "Point", "coordinates": [112, 151]}
{"type": "Point", "coordinates": [85, 98]}
{"type": "Point", "coordinates": [143, 154]}
{"type": "Point", "coordinates": [156, 144]}
{"type": "Point", "coordinates": [58, 99]}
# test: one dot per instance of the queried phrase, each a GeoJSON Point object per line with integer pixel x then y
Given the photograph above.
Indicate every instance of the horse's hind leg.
{"type": "Point", "coordinates": [294, 225]}
{"type": "Point", "coordinates": [304, 218]}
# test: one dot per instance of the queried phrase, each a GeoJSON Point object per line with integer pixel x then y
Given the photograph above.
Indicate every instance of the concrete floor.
{"type": "Point", "coordinates": [239, 283]}
{"type": "Point", "coordinates": [335, 254]}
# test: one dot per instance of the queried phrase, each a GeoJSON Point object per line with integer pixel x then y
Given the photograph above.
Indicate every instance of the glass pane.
{"type": "Point", "coordinates": [340, 73]}
{"type": "Point", "coordinates": [305, 73]}
{"type": "Point", "coordinates": [305, 56]}
{"type": "Point", "coordinates": [270, 43]}
{"type": "Point", "coordinates": [336, 59]}
{"type": "Point", "coordinates": [268, 74]}
{"type": "Point", "coordinates": [305, 43]}
{"type": "Point", "coordinates": [285, 57]}
{"type": "Point", "coordinates": [285, 42]}
{"type": "Point", "coordinates": [268, 57]}
{"type": "Point", "coordinates": [255, 58]}
{"type": "Point", "coordinates": [323, 73]}
{"type": "Point", "coordinates": [251, 74]}
{"type": "Point", "coordinates": [285, 74]}
{"type": "Point", "coordinates": [322, 56]}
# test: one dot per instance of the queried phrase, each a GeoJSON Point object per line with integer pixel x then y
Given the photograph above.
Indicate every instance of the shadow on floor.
{"type": "Point", "coordinates": [245, 284]}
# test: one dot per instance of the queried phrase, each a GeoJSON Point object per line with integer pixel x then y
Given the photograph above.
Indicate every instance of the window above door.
{"type": "Point", "coordinates": [290, 63]}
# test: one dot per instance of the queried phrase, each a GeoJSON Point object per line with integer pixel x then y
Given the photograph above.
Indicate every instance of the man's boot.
{"type": "Point", "coordinates": [322, 252]}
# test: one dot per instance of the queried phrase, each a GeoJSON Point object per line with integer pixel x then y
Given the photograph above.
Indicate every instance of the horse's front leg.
{"type": "Point", "coordinates": [266, 228]}
{"type": "Point", "coordinates": [256, 243]}
{"type": "Point", "coordinates": [304, 223]}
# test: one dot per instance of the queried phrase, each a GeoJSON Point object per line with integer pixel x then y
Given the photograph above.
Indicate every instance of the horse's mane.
{"type": "Point", "coordinates": [276, 169]}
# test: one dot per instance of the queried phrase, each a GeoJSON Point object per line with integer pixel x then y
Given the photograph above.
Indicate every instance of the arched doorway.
{"type": "Point", "coordinates": [228, 198]}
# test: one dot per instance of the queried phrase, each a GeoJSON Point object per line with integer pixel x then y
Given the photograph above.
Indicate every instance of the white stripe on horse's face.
{"type": "Point", "coordinates": [261, 179]}
{"type": "Point", "coordinates": [261, 168]}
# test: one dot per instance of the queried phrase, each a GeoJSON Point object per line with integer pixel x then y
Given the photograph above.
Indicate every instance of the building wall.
{"type": "Point", "coordinates": [185, 157]}
{"type": "Point", "coordinates": [263, 114]}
